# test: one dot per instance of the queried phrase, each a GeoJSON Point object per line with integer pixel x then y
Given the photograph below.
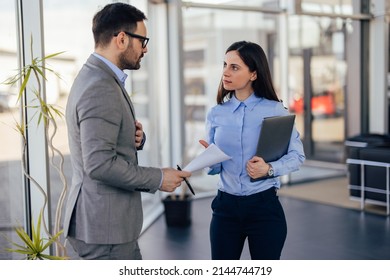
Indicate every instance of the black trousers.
{"type": "Point", "coordinates": [258, 217]}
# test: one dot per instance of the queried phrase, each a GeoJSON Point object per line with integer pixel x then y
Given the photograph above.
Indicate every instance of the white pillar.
{"type": "Point", "coordinates": [176, 78]}
{"type": "Point", "coordinates": [283, 52]}
{"type": "Point", "coordinates": [283, 60]}
{"type": "Point", "coordinates": [159, 70]}
{"type": "Point", "coordinates": [379, 55]}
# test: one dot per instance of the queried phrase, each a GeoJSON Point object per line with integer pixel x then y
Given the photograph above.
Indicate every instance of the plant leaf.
{"type": "Point", "coordinates": [24, 83]}
{"type": "Point", "coordinates": [52, 55]}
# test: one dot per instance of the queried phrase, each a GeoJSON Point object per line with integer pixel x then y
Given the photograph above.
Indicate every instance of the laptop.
{"type": "Point", "coordinates": [274, 138]}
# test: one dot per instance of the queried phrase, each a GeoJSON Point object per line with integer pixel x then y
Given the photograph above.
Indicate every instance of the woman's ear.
{"type": "Point", "coordinates": [253, 76]}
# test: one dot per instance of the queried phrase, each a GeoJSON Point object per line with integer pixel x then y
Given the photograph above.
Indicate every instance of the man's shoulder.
{"type": "Point", "coordinates": [93, 71]}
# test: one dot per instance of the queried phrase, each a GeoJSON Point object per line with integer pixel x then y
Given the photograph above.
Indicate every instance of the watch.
{"type": "Point", "coordinates": [270, 172]}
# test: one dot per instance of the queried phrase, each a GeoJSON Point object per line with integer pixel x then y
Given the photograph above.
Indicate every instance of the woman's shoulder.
{"type": "Point", "coordinates": [269, 103]}
{"type": "Point", "coordinates": [276, 103]}
{"type": "Point", "coordinates": [223, 106]}
{"type": "Point", "coordinates": [276, 107]}
{"type": "Point", "coordinates": [266, 101]}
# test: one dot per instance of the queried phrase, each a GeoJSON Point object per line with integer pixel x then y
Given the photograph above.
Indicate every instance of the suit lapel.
{"type": "Point", "coordinates": [127, 97]}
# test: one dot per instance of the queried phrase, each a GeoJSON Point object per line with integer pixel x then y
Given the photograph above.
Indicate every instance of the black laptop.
{"type": "Point", "coordinates": [274, 137]}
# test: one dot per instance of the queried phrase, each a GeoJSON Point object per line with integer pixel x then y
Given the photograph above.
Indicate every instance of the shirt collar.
{"type": "Point", "coordinates": [250, 102]}
{"type": "Point", "coordinates": [118, 72]}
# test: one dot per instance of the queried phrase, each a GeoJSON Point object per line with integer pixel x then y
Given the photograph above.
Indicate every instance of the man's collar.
{"type": "Point", "coordinates": [118, 72]}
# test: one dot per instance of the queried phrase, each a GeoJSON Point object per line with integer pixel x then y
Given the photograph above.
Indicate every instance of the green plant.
{"type": "Point", "coordinates": [35, 246]}
{"type": "Point", "coordinates": [47, 117]}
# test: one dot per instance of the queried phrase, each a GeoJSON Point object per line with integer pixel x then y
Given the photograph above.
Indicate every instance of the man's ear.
{"type": "Point", "coordinates": [120, 40]}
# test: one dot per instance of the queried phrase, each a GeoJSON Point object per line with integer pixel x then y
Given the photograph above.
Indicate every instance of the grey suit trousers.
{"type": "Point", "coordinates": [123, 251]}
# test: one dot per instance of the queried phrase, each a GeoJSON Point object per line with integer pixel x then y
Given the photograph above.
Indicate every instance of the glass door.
{"type": "Point", "coordinates": [207, 32]}
{"type": "Point", "coordinates": [317, 81]}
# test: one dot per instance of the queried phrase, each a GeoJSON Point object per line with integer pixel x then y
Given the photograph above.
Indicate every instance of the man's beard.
{"type": "Point", "coordinates": [125, 63]}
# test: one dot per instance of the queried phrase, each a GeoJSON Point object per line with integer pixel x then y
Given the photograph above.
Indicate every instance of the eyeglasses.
{"type": "Point", "coordinates": [144, 40]}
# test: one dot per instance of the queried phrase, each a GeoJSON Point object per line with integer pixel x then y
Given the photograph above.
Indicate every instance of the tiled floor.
{"type": "Point", "coordinates": [315, 232]}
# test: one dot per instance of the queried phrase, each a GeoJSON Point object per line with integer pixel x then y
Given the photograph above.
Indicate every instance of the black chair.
{"type": "Point", "coordinates": [368, 159]}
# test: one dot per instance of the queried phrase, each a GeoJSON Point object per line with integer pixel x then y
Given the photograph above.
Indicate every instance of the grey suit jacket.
{"type": "Point", "coordinates": [104, 201]}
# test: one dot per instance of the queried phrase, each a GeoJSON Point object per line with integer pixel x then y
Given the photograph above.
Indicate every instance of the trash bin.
{"type": "Point", "coordinates": [178, 211]}
{"type": "Point", "coordinates": [354, 146]}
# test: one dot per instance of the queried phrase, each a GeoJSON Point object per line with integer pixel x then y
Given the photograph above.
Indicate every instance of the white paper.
{"type": "Point", "coordinates": [211, 155]}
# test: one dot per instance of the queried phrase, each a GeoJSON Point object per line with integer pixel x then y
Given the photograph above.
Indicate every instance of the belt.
{"type": "Point", "coordinates": [271, 192]}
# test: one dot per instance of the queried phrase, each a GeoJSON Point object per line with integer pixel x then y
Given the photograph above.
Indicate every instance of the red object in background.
{"type": "Point", "coordinates": [320, 105]}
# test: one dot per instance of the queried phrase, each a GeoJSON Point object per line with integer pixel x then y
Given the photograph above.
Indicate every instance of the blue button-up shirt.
{"type": "Point", "coordinates": [234, 127]}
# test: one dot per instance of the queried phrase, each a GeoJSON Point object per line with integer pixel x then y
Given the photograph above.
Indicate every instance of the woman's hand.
{"type": "Point", "coordinates": [257, 167]}
{"type": "Point", "coordinates": [204, 143]}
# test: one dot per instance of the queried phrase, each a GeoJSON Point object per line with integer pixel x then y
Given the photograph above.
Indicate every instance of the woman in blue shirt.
{"type": "Point", "coordinates": [243, 209]}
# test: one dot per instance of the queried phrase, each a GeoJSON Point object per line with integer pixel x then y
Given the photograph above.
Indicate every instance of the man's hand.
{"type": "Point", "coordinates": [139, 134]}
{"type": "Point", "coordinates": [172, 179]}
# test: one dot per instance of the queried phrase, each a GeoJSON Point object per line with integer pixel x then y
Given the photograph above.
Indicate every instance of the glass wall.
{"type": "Point", "coordinates": [72, 35]}
{"type": "Point", "coordinates": [207, 33]}
{"type": "Point", "coordinates": [67, 29]}
{"type": "Point", "coordinates": [317, 67]}
{"type": "Point", "coordinates": [317, 39]}
{"type": "Point", "coordinates": [317, 76]}
{"type": "Point", "coordinates": [343, 7]}
{"type": "Point", "coordinates": [11, 198]}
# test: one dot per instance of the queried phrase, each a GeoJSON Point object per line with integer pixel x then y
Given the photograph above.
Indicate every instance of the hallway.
{"type": "Point", "coordinates": [315, 232]}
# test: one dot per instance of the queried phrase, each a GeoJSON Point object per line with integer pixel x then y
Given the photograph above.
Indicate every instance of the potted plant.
{"type": "Point", "coordinates": [35, 245]}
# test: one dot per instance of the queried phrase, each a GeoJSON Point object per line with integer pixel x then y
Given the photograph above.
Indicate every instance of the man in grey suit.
{"type": "Point", "coordinates": [103, 217]}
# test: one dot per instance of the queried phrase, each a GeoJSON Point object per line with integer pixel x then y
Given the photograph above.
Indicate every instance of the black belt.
{"type": "Point", "coordinates": [271, 192]}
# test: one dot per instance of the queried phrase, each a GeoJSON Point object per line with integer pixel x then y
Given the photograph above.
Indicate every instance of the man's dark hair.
{"type": "Point", "coordinates": [114, 18]}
